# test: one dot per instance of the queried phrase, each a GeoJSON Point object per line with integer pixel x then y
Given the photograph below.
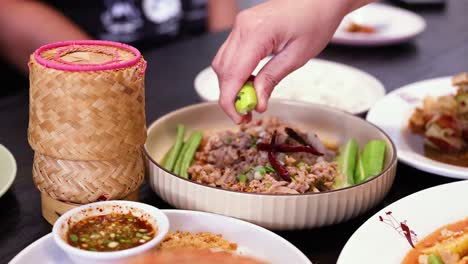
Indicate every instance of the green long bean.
{"type": "Point", "coordinates": [163, 161]}
{"type": "Point", "coordinates": [172, 157]}
{"type": "Point", "coordinates": [178, 163]}
{"type": "Point", "coordinates": [193, 142]}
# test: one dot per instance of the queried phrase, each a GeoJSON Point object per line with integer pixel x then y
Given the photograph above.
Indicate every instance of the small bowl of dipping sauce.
{"type": "Point", "coordinates": [109, 232]}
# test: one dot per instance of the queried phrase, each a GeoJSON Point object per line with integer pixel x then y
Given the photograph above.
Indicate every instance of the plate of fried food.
{"type": "Point", "coordinates": [435, 233]}
{"type": "Point", "coordinates": [378, 25]}
{"type": "Point", "coordinates": [135, 233]}
{"type": "Point", "coordinates": [428, 122]}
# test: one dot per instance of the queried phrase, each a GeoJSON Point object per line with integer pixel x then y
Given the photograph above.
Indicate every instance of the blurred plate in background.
{"type": "Point", "coordinates": [392, 114]}
{"type": "Point", "coordinates": [318, 81]}
{"type": "Point", "coordinates": [392, 25]}
{"type": "Point", "coordinates": [7, 169]}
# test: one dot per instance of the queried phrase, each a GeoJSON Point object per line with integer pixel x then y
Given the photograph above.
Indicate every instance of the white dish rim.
{"type": "Point", "coordinates": [12, 175]}
{"type": "Point", "coordinates": [41, 240]}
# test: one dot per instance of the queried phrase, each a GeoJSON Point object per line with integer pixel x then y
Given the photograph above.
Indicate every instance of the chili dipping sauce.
{"type": "Point", "coordinates": [110, 232]}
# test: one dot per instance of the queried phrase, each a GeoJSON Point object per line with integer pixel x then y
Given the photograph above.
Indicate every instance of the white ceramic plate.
{"type": "Point", "coordinates": [318, 81]}
{"type": "Point", "coordinates": [7, 169]}
{"type": "Point", "coordinates": [253, 240]}
{"type": "Point", "coordinates": [392, 114]}
{"type": "Point", "coordinates": [423, 212]}
{"type": "Point", "coordinates": [393, 25]}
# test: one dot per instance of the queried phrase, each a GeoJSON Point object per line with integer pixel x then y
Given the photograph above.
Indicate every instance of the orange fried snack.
{"type": "Point", "coordinates": [359, 28]}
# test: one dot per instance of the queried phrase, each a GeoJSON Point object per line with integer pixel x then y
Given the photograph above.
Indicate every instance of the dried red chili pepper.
{"type": "Point", "coordinates": [277, 166]}
{"type": "Point", "coordinates": [294, 135]}
{"type": "Point", "coordinates": [288, 148]}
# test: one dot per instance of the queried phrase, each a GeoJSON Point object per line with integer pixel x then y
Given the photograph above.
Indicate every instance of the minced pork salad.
{"type": "Point", "coordinates": [239, 160]}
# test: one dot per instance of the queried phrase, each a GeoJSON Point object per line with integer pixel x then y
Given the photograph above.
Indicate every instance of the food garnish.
{"type": "Point", "coordinates": [434, 259]}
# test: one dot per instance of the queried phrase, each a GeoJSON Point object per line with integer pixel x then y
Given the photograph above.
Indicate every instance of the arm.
{"type": "Point", "coordinates": [26, 25]}
{"type": "Point", "coordinates": [293, 31]}
{"type": "Point", "coordinates": [221, 14]}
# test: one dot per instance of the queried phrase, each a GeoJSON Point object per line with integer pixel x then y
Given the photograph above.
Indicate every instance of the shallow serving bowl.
{"type": "Point", "coordinates": [273, 211]}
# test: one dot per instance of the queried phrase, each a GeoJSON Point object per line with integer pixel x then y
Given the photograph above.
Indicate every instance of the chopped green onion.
{"type": "Point", "coordinates": [253, 142]}
{"type": "Point", "coordinates": [269, 169]}
{"type": "Point", "coordinates": [242, 178]}
{"type": "Point", "coordinates": [300, 164]}
{"type": "Point", "coordinates": [434, 259]}
{"type": "Point", "coordinates": [73, 237]}
{"type": "Point", "coordinates": [261, 170]}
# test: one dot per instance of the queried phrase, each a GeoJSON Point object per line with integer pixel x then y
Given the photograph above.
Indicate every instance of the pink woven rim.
{"type": "Point", "coordinates": [109, 65]}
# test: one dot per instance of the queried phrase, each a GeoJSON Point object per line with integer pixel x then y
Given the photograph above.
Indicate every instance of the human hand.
{"type": "Point", "coordinates": [293, 31]}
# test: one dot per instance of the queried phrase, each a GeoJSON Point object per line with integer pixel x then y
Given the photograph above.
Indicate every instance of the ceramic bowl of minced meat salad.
{"type": "Point", "coordinates": [298, 165]}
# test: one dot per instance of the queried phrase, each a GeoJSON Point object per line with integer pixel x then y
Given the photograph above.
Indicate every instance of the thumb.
{"type": "Point", "coordinates": [288, 60]}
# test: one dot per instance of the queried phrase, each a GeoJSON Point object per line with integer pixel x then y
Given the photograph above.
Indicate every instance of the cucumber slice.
{"type": "Point", "coordinates": [347, 163]}
{"type": "Point", "coordinates": [373, 157]}
{"type": "Point", "coordinates": [360, 173]}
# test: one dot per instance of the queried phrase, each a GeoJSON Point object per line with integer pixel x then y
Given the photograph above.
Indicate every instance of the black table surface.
{"type": "Point", "coordinates": [441, 50]}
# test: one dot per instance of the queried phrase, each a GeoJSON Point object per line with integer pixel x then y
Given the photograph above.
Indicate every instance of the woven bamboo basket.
{"type": "Point", "coordinates": [86, 100]}
{"type": "Point", "coordinates": [52, 209]}
{"type": "Point", "coordinates": [88, 181]}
